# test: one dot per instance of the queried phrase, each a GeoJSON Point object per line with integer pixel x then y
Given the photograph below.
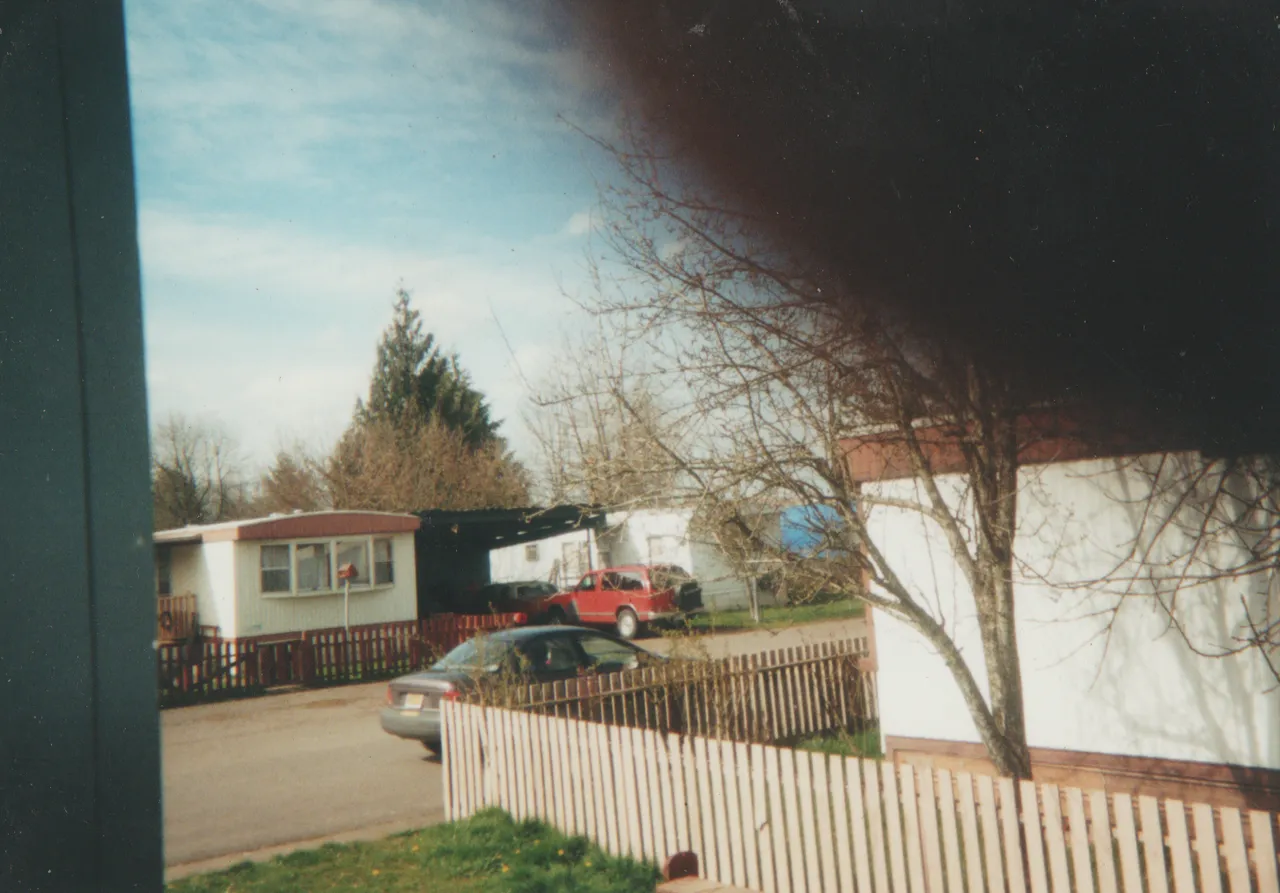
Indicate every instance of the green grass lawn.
{"type": "Point", "coordinates": [773, 617]}
{"type": "Point", "coordinates": [489, 853]}
{"type": "Point", "coordinates": [847, 744]}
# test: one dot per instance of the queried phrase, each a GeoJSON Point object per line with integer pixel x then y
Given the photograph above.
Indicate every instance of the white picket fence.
{"type": "Point", "coordinates": [787, 821]}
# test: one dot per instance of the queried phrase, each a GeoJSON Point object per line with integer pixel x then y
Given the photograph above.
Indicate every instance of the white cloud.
{"type": "Point", "coordinates": [582, 223]}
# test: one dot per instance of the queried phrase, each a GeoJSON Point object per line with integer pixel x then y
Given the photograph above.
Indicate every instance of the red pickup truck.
{"type": "Point", "coordinates": [626, 598]}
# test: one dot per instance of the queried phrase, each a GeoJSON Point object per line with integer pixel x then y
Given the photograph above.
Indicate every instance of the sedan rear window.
{"type": "Point", "coordinates": [480, 653]}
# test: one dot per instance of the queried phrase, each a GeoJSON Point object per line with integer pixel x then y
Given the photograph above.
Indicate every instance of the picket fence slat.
{"type": "Point", "coordinates": [911, 828]}
{"type": "Point", "coordinates": [1179, 848]}
{"type": "Point", "coordinates": [950, 838]}
{"type": "Point", "coordinates": [644, 797]}
{"type": "Point", "coordinates": [1079, 836]}
{"type": "Point", "coordinates": [842, 834]}
{"type": "Point", "coordinates": [1237, 856]}
{"type": "Point", "coordinates": [1011, 828]}
{"type": "Point", "coordinates": [929, 831]}
{"type": "Point", "coordinates": [781, 879]}
{"type": "Point", "coordinates": [969, 825]}
{"type": "Point", "coordinates": [1153, 844]}
{"type": "Point", "coordinates": [610, 808]}
{"type": "Point", "coordinates": [1055, 842]}
{"type": "Point", "coordinates": [746, 794]}
{"type": "Point", "coordinates": [991, 835]}
{"type": "Point", "coordinates": [715, 782]}
{"type": "Point", "coordinates": [1262, 825]}
{"type": "Point", "coordinates": [822, 804]}
{"type": "Point", "coordinates": [791, 803]}
{"type": "Point", "coordinates": [1103, 849]}
{"type": "Point", "coordinates": [451, 762]}
{"type": "Point", "coordinates": [1206, 847]}
{"type": "Point", "coordinates": [735, 833]}
{"type": "Point", "coordinates": [672, 833]}
{"type": "Point", "coordinates": [1128, 843]}
{"type": "Point", "coordinates": [875, 824]}
{"type": "Point", "coordinates": [1034, 835]}
{"type": "Point", "coordinates": [804, 781]}
{"type": "Point", "coordinates": [858, 812]}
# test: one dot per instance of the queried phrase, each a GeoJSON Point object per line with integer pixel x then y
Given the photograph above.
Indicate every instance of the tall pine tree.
{"type": "Point", "coordinates": [412, 376]}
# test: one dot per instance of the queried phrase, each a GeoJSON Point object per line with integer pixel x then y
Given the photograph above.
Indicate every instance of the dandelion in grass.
{"type": "Point", "coordinates": [559, 852]}
{"type": "Point", "coordinates": [587, 863]}
{"type": "Point", "coordinates": [376, 872]}
{"type": "Point", "coordinates": [506, 868]}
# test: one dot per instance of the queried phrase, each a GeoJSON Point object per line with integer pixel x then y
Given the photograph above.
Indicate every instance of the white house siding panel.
{"type": "Point", "coordinates": [509, 564]}
{"type": "Point", "coordinates": [1140, 692]}
{"type": "Point", "coordinates": [265, 615]}
{"type": "Point", "coordinates": [207, 571]}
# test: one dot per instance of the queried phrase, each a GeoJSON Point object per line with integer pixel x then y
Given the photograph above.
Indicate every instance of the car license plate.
{"type": "Point", "coordinates": [412, 702]}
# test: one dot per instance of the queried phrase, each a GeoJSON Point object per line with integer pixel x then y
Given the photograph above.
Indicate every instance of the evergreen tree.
{"type": "Point", "coordinates": [413, 378]}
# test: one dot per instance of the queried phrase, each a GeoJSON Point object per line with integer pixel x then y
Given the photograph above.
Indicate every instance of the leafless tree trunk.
{"type": "Point", "coordinates": [767, 379]}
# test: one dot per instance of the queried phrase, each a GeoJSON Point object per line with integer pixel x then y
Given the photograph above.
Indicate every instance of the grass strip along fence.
{"type": "Point", "coordinates": [212, 669]}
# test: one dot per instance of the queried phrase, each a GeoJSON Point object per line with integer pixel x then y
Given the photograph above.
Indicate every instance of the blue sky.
{"type": "Point", "coordinates": [299, 159]}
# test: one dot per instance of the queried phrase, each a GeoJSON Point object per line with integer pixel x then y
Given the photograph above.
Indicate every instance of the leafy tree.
{"type": "Point", "coordinates": [294, 482]}
{"type": "Point", "coordinates": [413, 465]}
{"type": "Point", "coordinates": [412, 376]}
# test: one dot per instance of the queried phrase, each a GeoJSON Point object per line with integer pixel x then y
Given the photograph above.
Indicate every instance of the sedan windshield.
{"type": "Point", "coordinates": [481, 653]}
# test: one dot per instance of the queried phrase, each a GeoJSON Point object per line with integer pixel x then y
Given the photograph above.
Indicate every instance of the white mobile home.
{"type": "Point", "coordinates": [1113, 688]}
{"type": "Point", "coordinates": [639, 536]}
{"type": "Point", "coordinates": [279, 575]}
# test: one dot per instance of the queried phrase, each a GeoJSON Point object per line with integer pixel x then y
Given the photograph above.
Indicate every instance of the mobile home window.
{"type": "Point", "coordinates": [313, 567]}
{"type": "Point", "coordinates": [384, 570]}
{"type": "Point", "coordinates": [357, 553]}
{"type": "Point", "coordinates": [531, 552]}
{"type": "Point", "coordinates": [276, 569]}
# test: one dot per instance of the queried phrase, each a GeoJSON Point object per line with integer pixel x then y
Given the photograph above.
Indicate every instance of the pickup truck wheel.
{"type": "Point", "coordinates": [556, 617]}
{"type": "Point", "coordinates": [628, 624]}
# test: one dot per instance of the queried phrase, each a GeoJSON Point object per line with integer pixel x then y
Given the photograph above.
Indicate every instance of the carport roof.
{"type": "Point", "coordinates": [494, 528]}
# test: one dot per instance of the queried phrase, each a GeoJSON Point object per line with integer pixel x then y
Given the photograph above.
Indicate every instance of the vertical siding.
{"type": "Point", "coordinates": [1134, 689]}
{"type": "Point", "coordinates": [260, 615]}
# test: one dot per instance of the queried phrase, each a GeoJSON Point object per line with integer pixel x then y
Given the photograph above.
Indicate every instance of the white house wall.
{"type": "Point", "coordinates": [206, 571]}
{"type": "Point", "coordinates": [271, 614]}
{"type": "Point", "coordinates": [1141, 692]}
{"type": "Point", "coordinates": [510, 564]}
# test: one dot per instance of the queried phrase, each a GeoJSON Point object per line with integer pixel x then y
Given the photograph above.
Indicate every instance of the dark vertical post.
{"type": "Point", "coordinates": [79, 738]}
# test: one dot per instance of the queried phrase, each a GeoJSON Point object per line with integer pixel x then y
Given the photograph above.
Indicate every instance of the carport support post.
{"type": "Point", "coordinates": [755, 599]}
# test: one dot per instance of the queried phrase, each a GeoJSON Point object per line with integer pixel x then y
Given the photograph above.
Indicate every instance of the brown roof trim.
{"type": "Point", "coordinates": [290, 527]}
{"type": "Point", "coordinates": [1220, 784]}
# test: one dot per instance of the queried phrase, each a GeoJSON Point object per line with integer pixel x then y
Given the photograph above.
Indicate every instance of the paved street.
{"type": "Point", "coordinates": [285, 771]}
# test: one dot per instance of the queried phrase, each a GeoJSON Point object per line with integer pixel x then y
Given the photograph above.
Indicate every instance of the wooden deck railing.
{"type": "Point", "coordinates": [175, 618]}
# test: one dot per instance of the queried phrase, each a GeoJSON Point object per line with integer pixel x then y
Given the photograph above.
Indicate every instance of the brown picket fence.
{"type": "Point", "coordinates": [212, 669]}
{"type": "Point", "coordinates": [767, 697]}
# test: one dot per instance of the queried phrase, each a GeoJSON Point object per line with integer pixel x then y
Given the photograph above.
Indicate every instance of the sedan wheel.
{"type": "Point", "coordinates": [628, 623]}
